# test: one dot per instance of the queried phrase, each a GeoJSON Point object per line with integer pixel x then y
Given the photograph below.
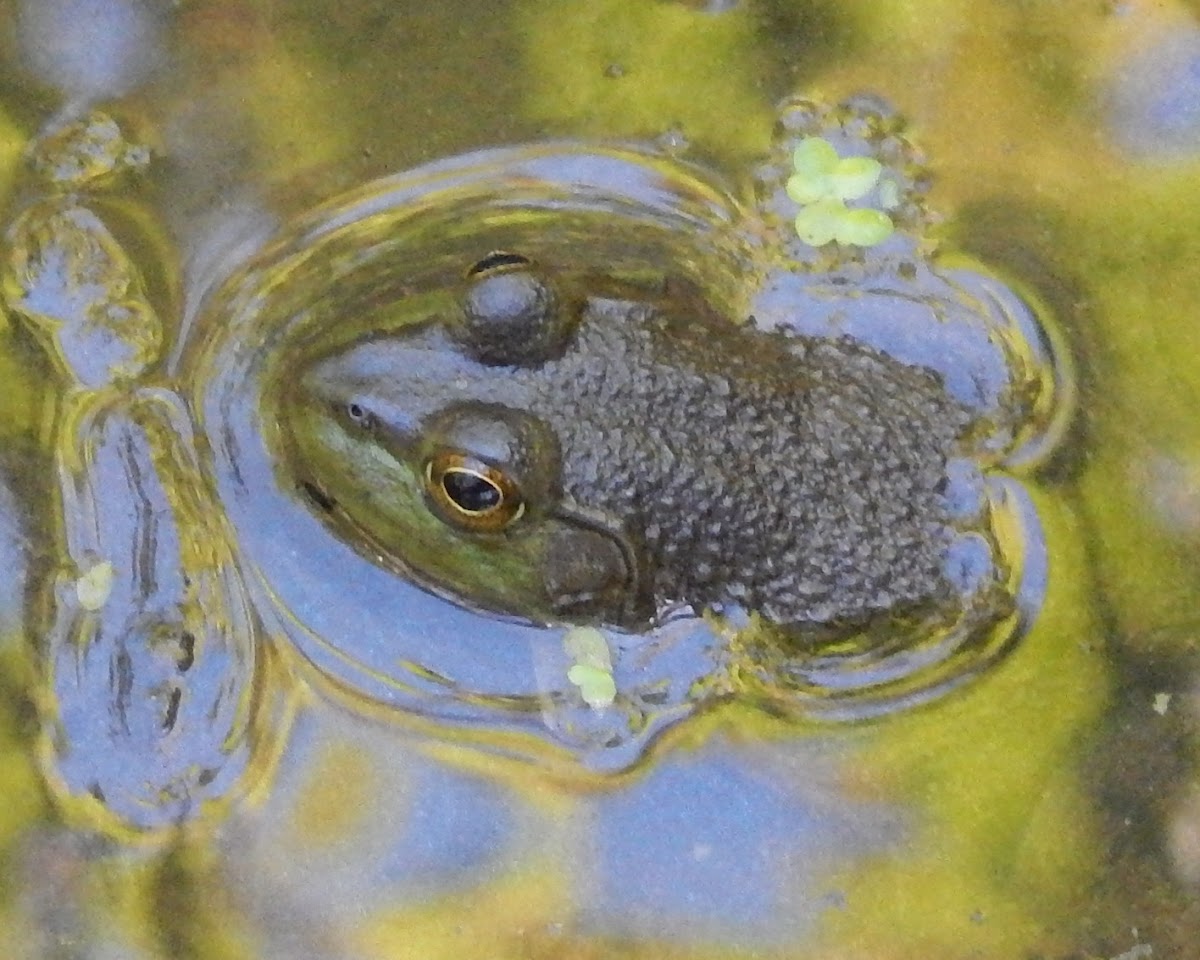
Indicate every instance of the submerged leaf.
{"type": "Point", "coordinates": [592, 670]}
{"type": "Point", "coordinates": [587, 645]}
{"type": "Point", "coordinates": [889, 194]}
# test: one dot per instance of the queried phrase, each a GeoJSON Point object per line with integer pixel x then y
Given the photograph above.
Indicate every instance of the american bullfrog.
{"type": "Point", "coordinates": [548, 439]}
{"type": "Point", "coordinates": [554, 445]}
{"type": "Point", "coordinates": [440, 420]}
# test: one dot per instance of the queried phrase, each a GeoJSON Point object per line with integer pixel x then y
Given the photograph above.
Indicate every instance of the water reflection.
{"type": "Point", "coordinates": [366, 803]}
{"type": "Point", "coordinates": [1153, 100]}
{"type": "Point", "coordinates": [756, 862]}
{"type": "Point", "coordinates": [91, 49]}
{"type": "Point", "coordinates": [363, 813]}
{"type": "Point", "coordinates": [15, 550]}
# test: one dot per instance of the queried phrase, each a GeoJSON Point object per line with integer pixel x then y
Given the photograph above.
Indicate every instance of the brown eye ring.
{"type": "Point", "coordinates": [472, 494]}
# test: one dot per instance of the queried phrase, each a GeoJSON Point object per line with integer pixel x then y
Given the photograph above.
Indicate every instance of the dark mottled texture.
{"type": "Point", "coordinates": [797, 477]}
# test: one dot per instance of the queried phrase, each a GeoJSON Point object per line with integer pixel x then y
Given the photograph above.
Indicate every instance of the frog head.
{"type": "Point", "coordinates": [465, 492]}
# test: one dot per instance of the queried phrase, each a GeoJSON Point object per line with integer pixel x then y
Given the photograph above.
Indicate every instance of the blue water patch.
{"type": "Point", "coordinates": [736, 847]}
{"type": "Point", "coordinates": [14, 560]}
{"type": "Point", "coordinates": [1154, 102]}
{"type": "Point", "coordinates": [455, 828]}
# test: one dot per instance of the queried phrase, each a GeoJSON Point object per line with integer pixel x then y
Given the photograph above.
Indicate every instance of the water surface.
{"type": "Point", "coordinates": [1049, 809]}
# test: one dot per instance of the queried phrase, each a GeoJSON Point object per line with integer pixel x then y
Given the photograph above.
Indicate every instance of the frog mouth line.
{"type": "Point", "coordinates": [318, 496]}
{"type": "Point", "coordinates": [634, 605]}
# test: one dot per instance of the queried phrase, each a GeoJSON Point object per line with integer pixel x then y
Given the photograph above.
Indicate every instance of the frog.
{"type": "Point", "coordinates": [557, 448]}
{"type": "Point", "coordinates": [554, 441]}
{"type": "Point", "coordinates": [426, 430]}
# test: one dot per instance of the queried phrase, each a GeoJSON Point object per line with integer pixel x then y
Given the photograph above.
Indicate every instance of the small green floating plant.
{"type": "Point", "coordinates": [822, 182]}
{"type": "Point", "coordinates": [94, 586]}
{"type": "Point", "coordinates": [591, 670]}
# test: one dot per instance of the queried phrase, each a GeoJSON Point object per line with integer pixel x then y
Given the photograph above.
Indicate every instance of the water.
{"type": "Point", "coordinates": [1048, 809]}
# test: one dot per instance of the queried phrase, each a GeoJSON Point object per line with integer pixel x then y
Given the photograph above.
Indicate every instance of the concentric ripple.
{"type": "Point", "coordinates": [400, 243]}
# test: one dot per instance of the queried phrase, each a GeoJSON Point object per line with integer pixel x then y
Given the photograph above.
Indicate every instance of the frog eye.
{"type": "Point", "coordinates": [472, 494]}
{"type": "Point", "coordinates": [513, 312]}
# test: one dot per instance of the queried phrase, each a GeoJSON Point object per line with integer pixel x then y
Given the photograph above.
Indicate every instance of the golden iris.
{"type": "Point", "coordinates": [472, 494]}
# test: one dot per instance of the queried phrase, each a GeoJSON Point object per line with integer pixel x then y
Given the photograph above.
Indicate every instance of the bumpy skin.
{"type": "Point", "coordinates": [797, 478]}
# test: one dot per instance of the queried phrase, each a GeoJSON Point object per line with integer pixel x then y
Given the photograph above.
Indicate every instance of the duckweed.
{"type": "Point", "coordinates": [592, 669]}
{"type": "Point", "coordinates": [830, 219]}
{"type": "Point", "coordinates": [94, 586]}
{"type": "Point", "coordinates": [822, 184]}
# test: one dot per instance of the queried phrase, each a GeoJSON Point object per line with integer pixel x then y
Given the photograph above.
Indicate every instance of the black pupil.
{"type": "Point", "coordinates": [470, 491]}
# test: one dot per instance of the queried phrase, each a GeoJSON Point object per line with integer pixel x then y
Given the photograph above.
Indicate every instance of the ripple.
{"type": "Point", "coordinates": [376, 261]}
{"type": "Point", "coordinates": [366, 628]}
{"type": "Point", "coordinates": [152, 676]}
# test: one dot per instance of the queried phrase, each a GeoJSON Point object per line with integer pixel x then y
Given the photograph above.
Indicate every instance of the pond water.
{"type": "Point", "coordinates": [289, 763]}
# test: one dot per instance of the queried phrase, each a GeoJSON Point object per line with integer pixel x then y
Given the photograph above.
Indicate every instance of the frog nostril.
{"type": "Point", "coordinates": [498, 260]}
{"type": "Point", "coordinates": [359, 415]}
